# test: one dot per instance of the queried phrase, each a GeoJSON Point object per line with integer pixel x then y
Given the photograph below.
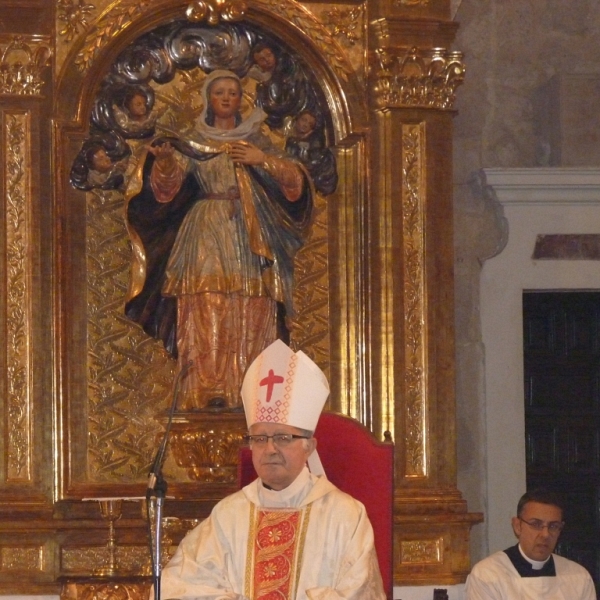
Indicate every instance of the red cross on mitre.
{"type": "Point", "coordinates": [270, 380]}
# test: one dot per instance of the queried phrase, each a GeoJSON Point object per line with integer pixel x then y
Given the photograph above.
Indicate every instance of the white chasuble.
{"type": "Point", "coordinates": [308, 542]}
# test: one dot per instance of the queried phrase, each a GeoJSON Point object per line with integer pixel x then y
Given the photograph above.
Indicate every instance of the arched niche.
{"type": "Point", "coordinates": [116, 382]}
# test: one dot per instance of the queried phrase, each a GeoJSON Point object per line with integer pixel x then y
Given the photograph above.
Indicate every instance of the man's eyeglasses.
{"type": "Point", "coordinates": [554, 527]}
{"type": "Point", "coordinates": [279, 439]}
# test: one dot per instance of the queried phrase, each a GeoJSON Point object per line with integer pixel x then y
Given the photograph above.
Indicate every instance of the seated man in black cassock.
{"type": "Point", "coordinates": [529, 570]}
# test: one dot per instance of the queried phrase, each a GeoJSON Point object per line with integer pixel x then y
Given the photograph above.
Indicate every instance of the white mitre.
{"type": "Point", "coordinates": [287, 387]}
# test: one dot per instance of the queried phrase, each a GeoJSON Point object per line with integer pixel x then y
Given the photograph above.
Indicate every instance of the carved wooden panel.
{"type": "Point", "coordinates": [18, 235]}
{"type": "Point", "coordinates": [133, 588]}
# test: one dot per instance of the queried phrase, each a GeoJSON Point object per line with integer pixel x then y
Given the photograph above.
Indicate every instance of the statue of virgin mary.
{"type": "Point", "coordinates": [215, 220]}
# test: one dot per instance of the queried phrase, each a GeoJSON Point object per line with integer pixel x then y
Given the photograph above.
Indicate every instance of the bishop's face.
{"type": "Point", "coordinates": [278, 466]}
{"type": "Point", "coordinates": [225, 97]}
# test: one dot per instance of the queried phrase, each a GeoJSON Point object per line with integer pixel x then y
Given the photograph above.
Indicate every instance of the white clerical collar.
{"type": "Point", "coordinates": [535, 564]}
{"type": "Point", "coordinates": [290, 496]}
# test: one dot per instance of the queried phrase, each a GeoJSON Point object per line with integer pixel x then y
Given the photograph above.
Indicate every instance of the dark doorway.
{"type": "Point", "coordinates": [561, 333]}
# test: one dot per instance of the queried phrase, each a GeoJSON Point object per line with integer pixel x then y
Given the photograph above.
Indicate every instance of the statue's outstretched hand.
{"type": "Point", "coordinates": [164, 154]}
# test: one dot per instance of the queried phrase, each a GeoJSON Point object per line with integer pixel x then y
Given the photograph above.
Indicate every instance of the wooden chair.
{"type": "Point", "coordinates": [359, 465]}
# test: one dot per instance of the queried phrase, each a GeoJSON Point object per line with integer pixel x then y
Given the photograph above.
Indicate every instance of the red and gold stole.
{"type": "Point", "coordinates": [275, 548]}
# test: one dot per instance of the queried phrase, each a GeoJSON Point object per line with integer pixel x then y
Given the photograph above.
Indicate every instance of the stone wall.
{"type": "Point", "coordinates": [528, 66]}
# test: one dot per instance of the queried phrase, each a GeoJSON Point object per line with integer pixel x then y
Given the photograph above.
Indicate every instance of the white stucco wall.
{"type": "Point", "coordinates": [535, 201]}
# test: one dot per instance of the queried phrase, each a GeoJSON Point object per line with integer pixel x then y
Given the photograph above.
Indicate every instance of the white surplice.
{"type": "Point", "coordinates": [336, 559]}
{"type": "Point", "coordinates": [495, 578]}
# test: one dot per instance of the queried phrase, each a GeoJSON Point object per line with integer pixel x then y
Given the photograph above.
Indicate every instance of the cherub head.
{"type": "Point", "coordinates": [136, 105]}
{"type": "Point", "coordinates": [97, 159]}
{"type": "Point", "coordinates": [264, 57]}
{"type": "Point", "coordinates": [304, 124]}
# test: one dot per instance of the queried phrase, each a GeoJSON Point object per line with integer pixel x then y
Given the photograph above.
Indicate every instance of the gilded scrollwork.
{"type": "Point", "coordinates": [22, 61]}
{"type": "Point", "coordinates": [74, 16]}
{"type": "Point", "coordinates": [213, 11]}
{"type": "Point", "coordinates": [83, 560]}
{"type": "Point", "coordinates": [345, 24]}
{"type": "Point", "coordinates": [29, 559]}
{"type": "Point", "coordinates": [413, 77]}
{"type": "Point", "coordinates": [348, 27]}
{"type": "Point", "coordinates": [110, 23]}
{"type": "Point", "coordinates": [421, 551]}
{"type": "Point", "coordinates": [414, 285]}
{"type": "Point", "coordinates": [18, 196]}
{"type": "Point", "coordinates": [105, 590]}
{"type": "Point", "coordinates": [207, 446]}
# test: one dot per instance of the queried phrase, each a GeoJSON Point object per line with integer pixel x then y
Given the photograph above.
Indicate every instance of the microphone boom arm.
{"type": "Point", "coordinates": [157, 489]}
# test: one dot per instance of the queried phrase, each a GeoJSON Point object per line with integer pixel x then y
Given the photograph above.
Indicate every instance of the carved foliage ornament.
{"type": "Point", "coordinates": [22, 60]}
{"type": "Point", "coordinates": [103, 590]}
{"type": "Point", "coordinates": [82, 560]}
{"type": "Point", "coordinates": [425, 552]}
{"type": "Point", "coordinates": [344, 24]}
{"type": "Point", "coordinates": [209, 455]}
{"type": "Point", "coordinates": [413, 144]}
{"type": "Point", "coordinates": [18, 320]}
{"type": "Point", "coordinates": [417, 78]}
{"type": "Point", "coordinates": [73, 13]}
{"type": "Point", "coordinates": [25, 559]}
{"type": "Point", "coordinates": [110, 23]}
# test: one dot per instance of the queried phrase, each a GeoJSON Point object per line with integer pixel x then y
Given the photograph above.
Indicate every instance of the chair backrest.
{"type": "Point", "coordinates": [359, 465]}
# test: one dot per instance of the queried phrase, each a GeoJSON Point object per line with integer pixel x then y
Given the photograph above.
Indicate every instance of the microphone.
{"type": "Point", "coordinates": [155, 481]}
{"type": "Point", "coordinates": [157, 489]}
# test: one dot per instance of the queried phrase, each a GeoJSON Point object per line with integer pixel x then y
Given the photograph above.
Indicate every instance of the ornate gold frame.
{"type": "Point", "coordinates": [379, 267]}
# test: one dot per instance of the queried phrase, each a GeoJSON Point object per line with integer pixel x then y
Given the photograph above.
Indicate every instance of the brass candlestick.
{"type": "Point", "coordinates": [110, 509]}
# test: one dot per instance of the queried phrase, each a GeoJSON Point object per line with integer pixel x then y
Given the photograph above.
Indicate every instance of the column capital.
{"type": "Point", "coordinates": [416, 77]}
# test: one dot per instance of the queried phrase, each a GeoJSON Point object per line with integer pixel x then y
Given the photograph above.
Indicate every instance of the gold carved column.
{"type": "Point", "coordinates": [25, 469]}
{"type": "Point", "coordinates": [414, 75]}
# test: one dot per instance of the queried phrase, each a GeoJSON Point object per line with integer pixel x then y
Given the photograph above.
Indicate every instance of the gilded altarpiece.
{"type": "Point", "coordinates": [86, 390]}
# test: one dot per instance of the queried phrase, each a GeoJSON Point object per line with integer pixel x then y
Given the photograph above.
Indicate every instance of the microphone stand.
{"type": "Point", "coordinates": [157, 490]}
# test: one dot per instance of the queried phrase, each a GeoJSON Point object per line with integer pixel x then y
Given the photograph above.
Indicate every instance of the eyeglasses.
{"type": "Point", "coordinates": [279, 439]}
{"type": "Point", "coordinates": [554, 527]}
